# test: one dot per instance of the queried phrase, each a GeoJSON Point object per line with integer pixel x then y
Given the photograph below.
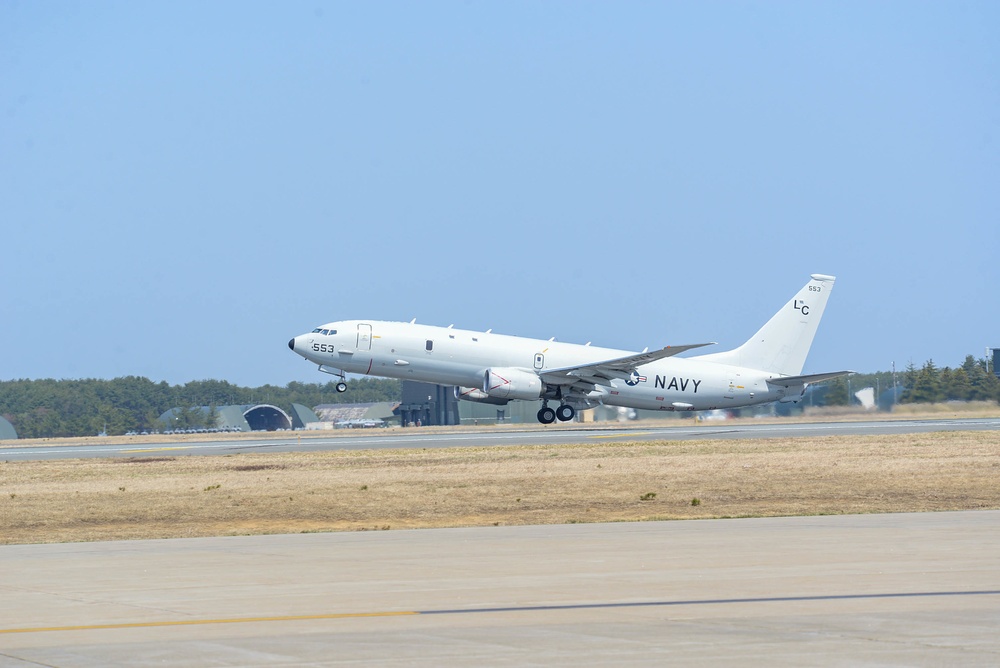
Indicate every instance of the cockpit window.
{"type": "Point", "coordinates": [324, 332]}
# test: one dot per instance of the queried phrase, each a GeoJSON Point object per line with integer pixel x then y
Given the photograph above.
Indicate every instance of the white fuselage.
{"type": "Point", "coordinates": [448, 356]}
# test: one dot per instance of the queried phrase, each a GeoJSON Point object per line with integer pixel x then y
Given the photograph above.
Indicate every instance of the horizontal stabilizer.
{"type": "Point", "coordinates": [792, 381]}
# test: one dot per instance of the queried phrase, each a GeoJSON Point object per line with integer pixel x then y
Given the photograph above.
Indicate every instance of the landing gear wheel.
{"type": "Point", "coordinates": [565, 412]}
{"type": "Point", "coordinates": [546, 415]}
{"type": "Point", "coordinates": [342, 386]}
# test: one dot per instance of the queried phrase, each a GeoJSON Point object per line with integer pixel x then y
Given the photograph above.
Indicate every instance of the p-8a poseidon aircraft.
{"type": "Point", "coordinates": [495, 368]}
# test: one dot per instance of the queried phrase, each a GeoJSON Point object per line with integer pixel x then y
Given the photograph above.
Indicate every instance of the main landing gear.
{"type": "Point", "coordinates": [564, 413]}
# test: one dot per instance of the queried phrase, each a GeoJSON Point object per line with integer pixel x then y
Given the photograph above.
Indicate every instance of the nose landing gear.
{"type": "Point", "coordinates": [342, 384]}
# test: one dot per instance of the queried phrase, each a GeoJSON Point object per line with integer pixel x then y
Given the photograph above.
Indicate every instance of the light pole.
{"type": "Point", "coordinates": [893, 383]}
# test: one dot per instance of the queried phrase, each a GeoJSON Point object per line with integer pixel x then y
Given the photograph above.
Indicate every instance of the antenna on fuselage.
{"type": "Point", "coordinates": [413, 321]}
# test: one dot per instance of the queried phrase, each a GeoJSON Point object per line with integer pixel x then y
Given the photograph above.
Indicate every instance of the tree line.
{"type": "Point", "coordinates": [57, 408]}
{"type": "Point", "coordinates": [974, 380]}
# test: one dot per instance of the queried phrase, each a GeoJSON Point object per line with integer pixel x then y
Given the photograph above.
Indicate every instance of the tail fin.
{"type": "Point", "coordinates": [782, 344]}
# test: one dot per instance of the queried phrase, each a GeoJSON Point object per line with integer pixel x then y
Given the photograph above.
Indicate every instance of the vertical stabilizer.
{"type": "Point", "coordinates": [782, 344]}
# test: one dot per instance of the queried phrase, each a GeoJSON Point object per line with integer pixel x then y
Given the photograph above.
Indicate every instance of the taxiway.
{"type": "Point", "coordinates": [910, 589]}
{"type": "Point", "coordinates": [443, 438]}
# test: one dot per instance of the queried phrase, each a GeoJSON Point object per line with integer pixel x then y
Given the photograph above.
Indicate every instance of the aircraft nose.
{"type": "Point", "coordinates": [291, 344]}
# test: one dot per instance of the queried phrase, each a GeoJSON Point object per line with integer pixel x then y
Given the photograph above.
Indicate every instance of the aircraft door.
{"type": "Point", "coordinates": [364, 337]}
{"type": "Point", "coordinates": [539, 360]}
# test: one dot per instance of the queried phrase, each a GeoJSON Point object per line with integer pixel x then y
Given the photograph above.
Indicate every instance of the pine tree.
{"type": "Point", "coordinates": [927, 384]}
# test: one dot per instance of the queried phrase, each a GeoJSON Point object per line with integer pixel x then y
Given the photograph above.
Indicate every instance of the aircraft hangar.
{"type": "Point", "coordinates": [248, 417]}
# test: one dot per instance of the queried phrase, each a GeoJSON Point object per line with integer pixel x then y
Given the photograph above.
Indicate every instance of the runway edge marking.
{"type": "Point", "coordinates": [526, 608]}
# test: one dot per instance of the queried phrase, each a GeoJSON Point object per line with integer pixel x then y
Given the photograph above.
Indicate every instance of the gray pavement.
{"type": "Point", "coordinates": [872, 590]}
{"type": "Point", "coordinates": [445, 438]}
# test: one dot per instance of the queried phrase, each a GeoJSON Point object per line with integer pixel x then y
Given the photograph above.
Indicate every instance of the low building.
{"type": "Point", "coordinates": [351, 416]}
{"type": "Point", "coordinates": [7, 431]}
{"type": "Point", "coordinates": [427, 404]}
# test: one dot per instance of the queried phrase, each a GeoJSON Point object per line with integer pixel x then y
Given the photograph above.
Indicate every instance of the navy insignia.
{"type": "Point", "coordinates": [634, 379]}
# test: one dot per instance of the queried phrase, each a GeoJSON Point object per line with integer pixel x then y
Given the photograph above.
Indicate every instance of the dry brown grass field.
{"type": "Point", "coordinates": [162, 497]}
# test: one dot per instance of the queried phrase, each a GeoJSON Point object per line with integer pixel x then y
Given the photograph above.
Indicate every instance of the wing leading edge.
{"type": "Point", "coordinates": [603, 372]}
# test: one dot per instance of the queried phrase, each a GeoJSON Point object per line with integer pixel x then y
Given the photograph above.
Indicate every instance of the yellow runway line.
{"type": "Point", "coordinates": [204, 622]}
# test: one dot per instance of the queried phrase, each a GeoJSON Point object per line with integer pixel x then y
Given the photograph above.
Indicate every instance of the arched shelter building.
{"type": "Point", "coordinates": [247, 417]}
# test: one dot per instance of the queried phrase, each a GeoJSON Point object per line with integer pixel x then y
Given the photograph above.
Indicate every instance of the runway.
{"type": "Point", "coordinates": [907, 589]}
{"type": "Point", "coordinates": [435, 438]}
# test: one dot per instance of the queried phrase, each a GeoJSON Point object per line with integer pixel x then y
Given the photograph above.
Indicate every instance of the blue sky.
{"type": "Point", "coordinates": [185, 186]}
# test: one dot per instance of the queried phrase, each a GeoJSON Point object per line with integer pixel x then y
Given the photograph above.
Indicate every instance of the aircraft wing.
{"type": "Point", "coordinates": [601, 373]}
{"type": "Point", "coordinates": [790, 381]}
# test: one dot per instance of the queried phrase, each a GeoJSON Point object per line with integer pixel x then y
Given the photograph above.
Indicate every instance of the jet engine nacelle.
{"type": "Point", "coordinates": [477, 395]}
{"type": "Point", "coordinates": [507, 383]}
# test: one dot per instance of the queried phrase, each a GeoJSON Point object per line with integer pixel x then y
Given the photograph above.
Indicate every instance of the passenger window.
{"type": "Point", "coordinates": [430, 345]}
